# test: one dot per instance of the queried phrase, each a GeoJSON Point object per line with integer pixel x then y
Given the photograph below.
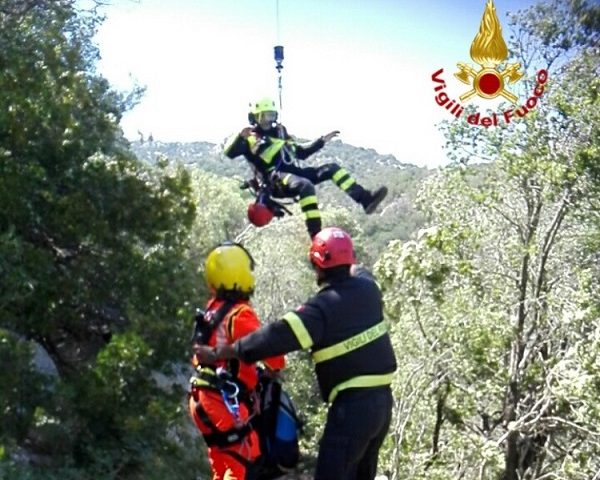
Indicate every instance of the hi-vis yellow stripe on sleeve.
{"type": "Point", "coordinates": [350, 344]}
{"type": "Point", "coordinates": [364, 381]}
{"type": "Point", "coordinates": [310, 200]}
{"type": "Point", "coordinates": [295, 323]}
{"type": "Point", "coordinates": [312, 214]}
{"type": "Point", "coordinates": [347, 184]}
{"type": "Point", "coordinates": [229, 142]}
{"type": "Point", "coordinates": [339, 174]}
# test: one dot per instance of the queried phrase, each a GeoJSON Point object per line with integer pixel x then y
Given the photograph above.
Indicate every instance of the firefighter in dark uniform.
{"type": "Point", "coordinates": [273, 154]}
{"type": "Point", "coordinates": [343, 327]}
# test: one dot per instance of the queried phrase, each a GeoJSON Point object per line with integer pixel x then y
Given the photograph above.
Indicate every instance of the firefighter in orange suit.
{"type": "Point", "coordinates": [221, 397]}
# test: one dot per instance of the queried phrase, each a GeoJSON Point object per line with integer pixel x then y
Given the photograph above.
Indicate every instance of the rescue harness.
{"type": "Point", "coordinates": [219, 380]}
{"type": "Point", "coordinates": [232, 392]}
{"type": "Point", "coordinates": [262, 189]}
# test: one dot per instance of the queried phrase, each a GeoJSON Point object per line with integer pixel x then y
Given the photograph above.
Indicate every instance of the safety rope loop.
{"type": "Point", "coordinates": [231, 389]}
{"type": "Point", "coordinates": [278, 55]}
{"type": "Point", "coordinates": [230, 393]}
{"type": "Point", "coordinates": [232, 403]}
{"type": "Point", "coordinates": [280, 88]}
{"type": "Point", "coordinates": [285, 156]}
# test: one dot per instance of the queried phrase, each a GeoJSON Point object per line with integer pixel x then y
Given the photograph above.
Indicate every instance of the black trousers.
{"type": "Point", "coordinates": [293, 181]}
{"type": "Point", "coordinates": [357, 423]}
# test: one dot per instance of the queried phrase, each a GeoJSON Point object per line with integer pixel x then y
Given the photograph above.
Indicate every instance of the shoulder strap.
{"type": "Point", "coordinates": [219, 316]}
{"type": "Point", "coordinates": [204, 330]}
{"type": "Point", "coordinates": [233, 365]}
{"type": "Point", "coordinates": [231, 316]}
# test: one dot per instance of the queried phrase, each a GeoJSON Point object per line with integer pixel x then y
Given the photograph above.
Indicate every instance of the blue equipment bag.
{"type": "Point", "coordinates": [278, 427]}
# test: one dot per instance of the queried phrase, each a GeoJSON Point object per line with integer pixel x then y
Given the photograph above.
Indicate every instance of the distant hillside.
{"type": "Point", "coordinates": [209, 157]}
{"type": "Point", "coordinates": [397, 217]}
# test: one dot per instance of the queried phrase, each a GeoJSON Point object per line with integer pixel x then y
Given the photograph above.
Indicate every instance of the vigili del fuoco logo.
{"type": "Point", "coordinates": [493, 78]}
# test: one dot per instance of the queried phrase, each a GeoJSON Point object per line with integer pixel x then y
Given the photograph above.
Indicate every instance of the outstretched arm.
{"type": "Point", "coordinates": [297, 330]}
{"type": "Point", "coordinates": [244, 322]}
{"type": "Point", "coordinates": [305, 152]}
{"type": "Point", "coordinates": [330, 135]}
{"type": "Point", "coordinates": [269, 341]}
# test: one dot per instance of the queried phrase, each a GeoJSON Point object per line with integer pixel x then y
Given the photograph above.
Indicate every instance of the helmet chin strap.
{"type": "Point", "coordinates": [268, 126]}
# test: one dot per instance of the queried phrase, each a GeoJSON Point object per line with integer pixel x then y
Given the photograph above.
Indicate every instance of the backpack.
{"type": "Point", "coordinates": [278, 428]}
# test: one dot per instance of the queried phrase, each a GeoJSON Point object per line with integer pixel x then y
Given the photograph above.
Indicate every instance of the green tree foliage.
{"type": "Point", "coordinates": [495, 305]}
{"type": "Point", "coordinates": [93, 263]}
{"type": "Point", "coordinates": [221, 212]}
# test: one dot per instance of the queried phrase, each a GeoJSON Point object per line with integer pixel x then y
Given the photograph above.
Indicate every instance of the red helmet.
{"type": "Point", "coordinates": [259, 214]}
{"type": "Point", "coordinates": [331, 247]}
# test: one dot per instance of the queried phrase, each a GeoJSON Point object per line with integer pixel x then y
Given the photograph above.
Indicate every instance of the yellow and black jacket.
{"type": "Point", "coordinates": [343, 327]}
{"type": "Point", "coordinates": [270, 150]}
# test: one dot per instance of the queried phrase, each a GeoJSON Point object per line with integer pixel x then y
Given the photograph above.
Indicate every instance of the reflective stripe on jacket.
{"type": "Point", "coordinates": [264, 149]}
{"type": "Point", "coordinates": [343, 327]}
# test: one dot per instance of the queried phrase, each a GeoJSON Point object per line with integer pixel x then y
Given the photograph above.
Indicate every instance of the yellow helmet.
{"type": "Point", "coordinates": [265, 104]}
{"type": "Point", "coordinates": [260, 107]}
{"type": "Point", "coordinates": [229, 268]}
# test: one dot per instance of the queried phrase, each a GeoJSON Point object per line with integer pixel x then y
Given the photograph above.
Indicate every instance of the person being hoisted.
{"type": "Point", "coordinates": [219, 400]}
{"type": "Point", "coordinates": [272, 152]}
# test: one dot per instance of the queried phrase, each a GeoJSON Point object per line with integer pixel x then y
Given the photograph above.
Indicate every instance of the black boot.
{"type": "Point", "coordinates": [313, 225]}
{"type": "Point", "coordinates": [372, 200]}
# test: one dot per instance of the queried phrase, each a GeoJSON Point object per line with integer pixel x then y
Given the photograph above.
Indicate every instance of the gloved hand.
{"type": "Point", "coordinates": [330, 135]}
{"type": "Point", "coordinates": [208, 355]}
{"type": "Point", "coordinates": [225, 352]}
{"type": "Point", "coordinates": [246, 132]}
{"type": "Point", "coordinates": [203, 354]}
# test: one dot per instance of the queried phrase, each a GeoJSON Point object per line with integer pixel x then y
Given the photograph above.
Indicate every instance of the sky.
{"type": "Point", "coordinates": [362, 67]}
